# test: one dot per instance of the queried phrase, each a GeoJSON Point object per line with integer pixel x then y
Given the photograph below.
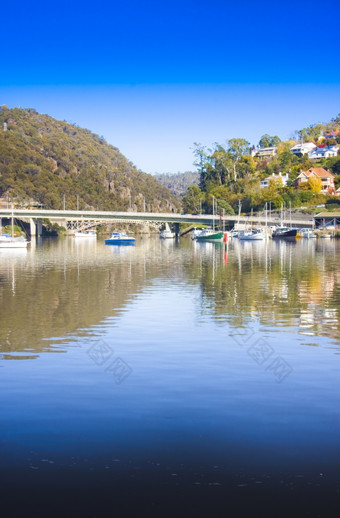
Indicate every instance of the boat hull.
{"type": "Point", "coordinates": [290, 233]}
{"type": "Point", "coordinates": [255, 236]}
{"type": "Point", "coordinates": [128, 241]}
{"type": "Point", "coordinates": [13, 244]}
{"type": "Point", "coordinates": [217, 236]}
{"type": "Point", "coordinates": [85, 235]}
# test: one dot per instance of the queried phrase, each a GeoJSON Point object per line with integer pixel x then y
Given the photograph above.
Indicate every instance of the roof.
{"type": "Point", "coordinates": [332, 133]}
{"type": "Point", "coordinates": [318, 171]}
{"type": "Point", "coordinates": [335, 214]}
{"type": "Point", "coordinates": [304, 145]}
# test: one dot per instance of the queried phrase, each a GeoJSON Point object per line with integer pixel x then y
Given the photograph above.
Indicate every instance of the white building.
{"type": "Point", "coordinates": [302, 149]}
{"type": "Point", "coordinates": [265, 152]}
{"type": "Point", "coordinates": [323, 152]}
{"type": "Point", "coordinates": [278, 177]}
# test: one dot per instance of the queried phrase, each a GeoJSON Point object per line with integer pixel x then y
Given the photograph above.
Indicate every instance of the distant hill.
{"type": "Point", "coordinates": [43, 159]}
{"type": "Point", "coordinates": [179, 182]}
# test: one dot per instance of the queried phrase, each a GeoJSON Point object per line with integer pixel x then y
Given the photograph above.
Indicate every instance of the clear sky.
{"type": "Point", "coordinates": [155, 77]}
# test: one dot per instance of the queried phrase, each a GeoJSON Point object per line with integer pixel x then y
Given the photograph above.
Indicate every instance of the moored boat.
{"type": "Point", "coordinates": [195, 233]}
{"type": "Point", "coordinates": [308, 234]}
{"type": "Point", "coordinates": [120, 238]}
{"type": "Point", "coordinates": [85, 234]}
{"type": "Point", "coordinates": [166, 233]}
{"type": "Point", "coordinates": [208, 234]}
{"type": "Point", "coordinates": [252, 235]}
{"type": "Point", "coordinates": [285, 232]}
{"type": "Point", "coordinates": [11, 241]}
{"type": "Point", "coordinates": [7, 241]}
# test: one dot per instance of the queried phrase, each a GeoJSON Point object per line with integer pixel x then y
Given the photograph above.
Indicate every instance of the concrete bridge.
{"type": "Point", "coordinates": [74, 220]}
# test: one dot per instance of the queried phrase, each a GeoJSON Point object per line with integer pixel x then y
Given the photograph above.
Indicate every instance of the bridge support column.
{"type": "Point", "coordinates": [176, 229]}
{"type": "Point", "coordinates": [32, 227]}
{"type": "Point", "coordinates": [35, 227]}
{"type": "Point", "coordinates": [39, 227]}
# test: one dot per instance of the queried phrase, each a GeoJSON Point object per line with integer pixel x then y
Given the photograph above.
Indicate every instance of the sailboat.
{"type": "Point", "coordinates": [209, 234]}
{"type": "Point", "coordinates": [167, 233]}
{"type": "Point", "coordinates": [10, 241]}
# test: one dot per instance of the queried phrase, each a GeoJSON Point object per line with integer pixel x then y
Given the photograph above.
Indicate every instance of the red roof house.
{"type": "Point", "coordinates": [327, 179]}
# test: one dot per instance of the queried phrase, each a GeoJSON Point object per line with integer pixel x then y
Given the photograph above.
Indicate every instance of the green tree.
{"type": "Point", "coordinates": [201, 155]}
{"type": "Point", "coordinates": [311, 133]}
{"type": "Point", "coordinates": [269, 141]}
{"type": "Point", "coordinates": [238, 147]}
{"type": "Point", "coordinates": [191, 199]}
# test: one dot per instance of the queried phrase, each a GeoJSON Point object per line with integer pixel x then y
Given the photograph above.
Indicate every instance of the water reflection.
{"type": "Point", "coordinates": [64, 288]}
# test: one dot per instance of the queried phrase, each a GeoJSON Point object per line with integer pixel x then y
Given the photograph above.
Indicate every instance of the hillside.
{"type": "Point", "coordinates": [179, 182]}
{"type": "Point", "coordinates": [44, 161]}
{"type": "Point", "coordinates": [239, 175]}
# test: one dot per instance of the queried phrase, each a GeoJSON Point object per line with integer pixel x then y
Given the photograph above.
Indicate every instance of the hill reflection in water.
{"type": "Point", "coordinates": [58, 291]}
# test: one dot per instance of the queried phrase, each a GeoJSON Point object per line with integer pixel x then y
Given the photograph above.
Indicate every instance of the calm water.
{"type": "Point", "coordinates": [170, 380]}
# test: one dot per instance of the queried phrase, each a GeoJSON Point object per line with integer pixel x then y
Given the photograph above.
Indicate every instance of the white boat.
{"type": "Point", "coordinates": [10, 241]}
{"type": "Point", "coordinates": [308, 234]}
{"type": "Point", "coordinates": [252, 235]}
{"type": "Point", "coordinates": [7, 241]}
{"type": "Point", "coordinates": [326, 236]}
{"type": "Point", "coordinates": [89, 233]}
{"type": "Point", "coordinates": [167, 233]}
{"type": "Point", "coordinates": [195, 233]}
{"type": "Point", "coordinates": [120, 238]}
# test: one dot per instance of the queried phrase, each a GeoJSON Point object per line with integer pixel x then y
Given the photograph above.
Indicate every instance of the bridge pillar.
{"type": "Point", "coordinates": [35, 227]}
{"type": "Point", "coordinates": [32, 227]}
{"type": "Point", "coordinates": [39, 227]}
{"type": "Point", "coordinates": [176, 229]}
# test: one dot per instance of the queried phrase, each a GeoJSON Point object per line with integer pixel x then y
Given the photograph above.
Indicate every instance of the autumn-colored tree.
{"type": "Point", "coordinates": [315, 184]}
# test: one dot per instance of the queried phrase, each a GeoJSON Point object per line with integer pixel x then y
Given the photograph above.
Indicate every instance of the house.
{"type": "Point", "coordinates": [265, 152]}
{"type": "Point", "coordinates": [302, 149]}
{"type": "Point", "coordinates": [282, 178]}
{"type": "Point", "coordinates": [327, 179]}
{"type": "Point", "coordinates": [323, 152]}
{"type": "Point", "coordinates": [331, 135]}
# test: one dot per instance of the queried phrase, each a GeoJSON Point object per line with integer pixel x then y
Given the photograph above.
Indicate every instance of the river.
{"type": "Point", "coordinates": [170, 379]}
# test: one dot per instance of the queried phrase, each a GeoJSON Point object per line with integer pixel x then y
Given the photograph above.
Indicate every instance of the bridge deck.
{"type": "Point", "coordinates": [147, 217]}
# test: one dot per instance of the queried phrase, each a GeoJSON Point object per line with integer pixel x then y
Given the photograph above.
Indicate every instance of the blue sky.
{"type": "Point", "coordinates": [153, 78]}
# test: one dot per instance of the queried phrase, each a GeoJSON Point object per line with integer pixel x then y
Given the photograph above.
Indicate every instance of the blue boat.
{"type": "Point", "coordinates": [120, 238]}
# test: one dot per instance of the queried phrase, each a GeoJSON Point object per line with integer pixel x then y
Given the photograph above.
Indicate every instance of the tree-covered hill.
{"type": "Point", "coordinates": [44, 161]}
{"type": "Point", "coordinates": [179, 182]}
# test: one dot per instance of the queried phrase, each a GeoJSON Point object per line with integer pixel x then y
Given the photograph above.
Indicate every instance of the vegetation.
{"type": "Point", "coordinates": [179, 182]}
{"type": "Point", "coordinates": [231, 173]}
{"type": "Point", "coordinates": [50, 163]}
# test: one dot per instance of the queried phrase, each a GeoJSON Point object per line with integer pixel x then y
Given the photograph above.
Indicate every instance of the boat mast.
{"type": "Point", "coordinates": [12, 222]}
{"type": "Point", "coordinates": [239, 214]}
{"type": "Point", "coordinates": [213, 213]}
